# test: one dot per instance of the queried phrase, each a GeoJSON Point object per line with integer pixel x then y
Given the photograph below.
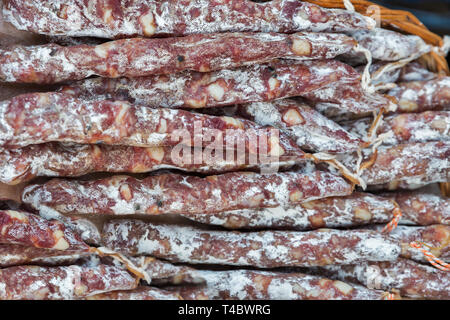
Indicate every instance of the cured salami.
{"type": "Point", "coordinates": [20, 227]}
{"type": "Point", "coordinates": [162, 272]}
{"type": "Point", "coordinates": [310, 129]}
{"type": "Point", "coordinates": [265, 249]}
{"type": "Point", "coordinates": [263, 285]}
{"type": "Point", "coordinates": [422, 208]}
{"type": "Point", "coordinates": [59, 160]}
{"type": "Point", "coordinates": [29, 230]}
{"type": "Point", "coordinates": [16, 254]}
{"type": "Point", "coordinates": [58, 283]}
{"type": "Point", "coordinates": [378, 77]}
{"type": "Point", "coordinates": [190, 89]}
{"type": "Point", "coordinates": [417, 96]}
{"type": "Point", "coordinates": [112, 19]}
{"type": "Point", "coordinates": [435, 236]}
{"type": "Point", "coordinates": [335, 212]}
{"type": "Point", "coordinates": [413, 163]}
{"type": "Point", "coordinates": [86, 229]}
{"type": "Point", "coordinates": [400, 185]}
{"type": "Point", "coordinates": [333, 112]}
{"type": "Point", "coordinates": [141, 293]}
{"type": "Point", "coordinates": [384, 74]}
{"type": "Point", "coordinates": [406, 128]}
{"type": "Point", "coordinates": [43, 117]}
{"type": "Point", "coordinates": [51, 63]}
{"type": "Point", "coordinates": [173, 193]}
{"type": "Point", "coordinates": [411, 279]}
{"type": "Point", "coordinates": [414, 71]}
{"type": "Point", "coordinates": [348, 98]}
{"type": "Point", "coordinates": [387, 45]}
{"type": "Point", "coordinates": [157, 272]}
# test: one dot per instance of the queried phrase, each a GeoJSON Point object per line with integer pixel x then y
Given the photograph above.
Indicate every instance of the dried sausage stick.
{"type": "Point", "coordinates": [417, 96]}
{"type": "Point", "coordinates": [422, 208]}
{"type": "Point", "coordinates": [310, 129]}
{"type": "Point", "coordinates": [414, 163]}
{"type": "Point", "coordinates": [411, 279]}
{"type": "Point", "coordinates": [173, 193]}
{"type": "Point", "coordinates": [265, 249]}
{"type": "Point", "coordinates": [436, 236]}
{"type": "Point", "coordinates": [263, 285]}
{"type": "Point", "coordinates": [385, 78]}
{"type": "Point", "coordinates": [20, 227]}
{"type": "Point", "coordinates": [44, 117]}
{"type": "Point", "coordinates": [29, 230]}
{"type": "Point", "coordinates": [406, 127]}
{"type": "Point", "coordinates": [51, 63]}
{"type": "Point", "coordinates": [414, 71]}
{"type": "Point", "coordinates": [334, 112]}
{"type": "Point", "coordinates": [190, 89]}
{"type": "Point", "coordinates": [140, 293]}
{"type": "Point", "coordinates": [158, 271]}
{"type": "Point", "coordinates": [436, 239]}
{"type": "Point", "coordinates": [85, 228]}
{"type": "Point", "coordinates": [400, 185]}
{"type": "Point", "coordinates": [58, 283]}
{"type": "Point", "coordinates": [387, 45]}
{"type": "Point", "coordinates": [16, 254]}
{"type": "Point", "coordinates": [59, 160]}
{"type": "Point", "coordinates": [396, 72]}
{"type": "Point", "coordinates": [112, 19]}
{"type": "Point", "coordinates": [335, 212]}
{"type": "Point", "coordinates": [162, 272]}
{"type": "Point", "coordinates": [348, 98]}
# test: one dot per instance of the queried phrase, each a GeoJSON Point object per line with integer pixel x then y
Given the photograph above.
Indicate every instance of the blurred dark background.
{"type": "Point", "coordinates": [435, 14]}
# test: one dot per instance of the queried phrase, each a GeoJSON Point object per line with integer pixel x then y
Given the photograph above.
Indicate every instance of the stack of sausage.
{"type": "Point", "coordinates": [112, 157]}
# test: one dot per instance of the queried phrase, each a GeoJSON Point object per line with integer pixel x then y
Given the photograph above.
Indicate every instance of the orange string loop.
{"type": "Point", "coordinates": [394, 222]}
